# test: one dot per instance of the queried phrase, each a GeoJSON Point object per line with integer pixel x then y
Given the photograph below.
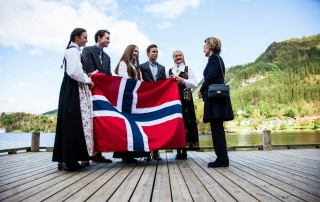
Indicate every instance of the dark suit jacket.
{"type": "Point", "coordinates": [147, 75]}
{"type": "Point", "coordinates": [215, 109]}
{"type": "Point", "coordinates": [92, 61]}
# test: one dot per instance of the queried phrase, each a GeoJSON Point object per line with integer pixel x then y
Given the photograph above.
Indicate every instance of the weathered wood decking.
{"type": "Point", "coordinates": [279, 175]}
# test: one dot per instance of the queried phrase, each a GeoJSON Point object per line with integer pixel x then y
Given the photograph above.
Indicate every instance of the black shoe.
{"type": "Point", "coordinates": [66, 167]}
{"type": "Point", "coordinates": [148, 158]}
{"type": "Point", "coordinates": [156, 157]}
{"type": "Point", "coordinates": [178, 157]}
{"type": "Point", "coordinates": [129, 160]}
{"type": "Point", "coordinates": [217, 164]}
{"type": "Point", "coordinates": [184, 156]}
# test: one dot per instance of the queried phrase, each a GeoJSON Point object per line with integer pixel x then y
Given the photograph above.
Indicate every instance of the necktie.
{"type": "Point", "coordinates": [100, 56]}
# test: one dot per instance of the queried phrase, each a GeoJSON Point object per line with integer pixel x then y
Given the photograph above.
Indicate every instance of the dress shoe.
{"type": "Point", "coordinates": [184, 156]}
{"type": "Point", "coordinates": [217, 164]}
{"type": "Point", "coordinates": [76, 165]}
{"type": "Point", "coordinates": [148, 158]}
{"type": "Point", "coordinates": [129, 160]}
{"type": "Point", "coordinates": [85, 163]}
{"type": "Point", "coordinates": [178, 157]}
{"type": "Point", "coordinates": [156, 157]}
{"type": "Point", "coordinates": [101, 159]}
{"type": "Point", "coordinates": [66, 167]}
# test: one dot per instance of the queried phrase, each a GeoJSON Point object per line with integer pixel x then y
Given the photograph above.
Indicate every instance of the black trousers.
{"type": "Point", "coordinates": [219, 141]}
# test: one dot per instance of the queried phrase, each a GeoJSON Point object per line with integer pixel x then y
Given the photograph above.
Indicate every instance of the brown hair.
{"type": "Point", "coordinates": [127, 58]}
{"type": "Point", "coordinates": [77, 32]}
{"type": "Point", "coordinates": [151, 46]}
{"type": "Point", "coordinates": [183, 61]}
{"type": "Point", "coordinates": [100, 33]}
{"type": "Point", "coordinates": [213, 44]}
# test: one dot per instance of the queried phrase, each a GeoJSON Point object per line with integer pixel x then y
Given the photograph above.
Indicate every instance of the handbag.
{"type": "Point", "coordinates": [218, 90]}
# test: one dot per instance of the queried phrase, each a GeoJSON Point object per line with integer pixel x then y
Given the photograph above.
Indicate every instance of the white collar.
{"type": "Point", "coordinates": [75, 45]}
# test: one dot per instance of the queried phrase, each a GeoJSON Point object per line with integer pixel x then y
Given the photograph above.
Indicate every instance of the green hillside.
{"type": "Point", "coordinates": [283, 82]}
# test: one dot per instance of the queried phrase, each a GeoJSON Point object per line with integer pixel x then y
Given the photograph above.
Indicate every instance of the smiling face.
{"type": "Point", "coordinates": [104, 41]}
{"type": "Point", "coordinates": [82, 40]}
{"type": "Point", "coordinates": [135, 53]}
{"type": "Point", "coordinates": [178, 57]}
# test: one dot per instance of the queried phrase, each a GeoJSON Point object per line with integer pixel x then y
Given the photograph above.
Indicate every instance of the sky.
{"type": "Point", "coordinates": [35, 33]}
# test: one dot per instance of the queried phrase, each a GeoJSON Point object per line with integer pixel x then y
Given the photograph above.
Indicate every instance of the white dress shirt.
{"type": "Point", "coordinates": [191, 82]}
{"type": "Point", "coordinates": [123, 71]}
{"type": "Point", "coordinates": [74, 65]}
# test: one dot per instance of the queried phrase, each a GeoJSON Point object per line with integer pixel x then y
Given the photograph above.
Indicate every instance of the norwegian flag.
{"type": "Point", "coordinates": [131, 115]}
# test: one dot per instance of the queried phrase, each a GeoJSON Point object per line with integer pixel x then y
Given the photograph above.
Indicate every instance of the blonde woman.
{"type": "Point", "coordinates": [186, 80]}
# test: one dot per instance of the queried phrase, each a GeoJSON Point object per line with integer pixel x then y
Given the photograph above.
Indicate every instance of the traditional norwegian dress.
{"type": "Point", "coordinates": [123, 72]}
{"type": "Point", "coordinates": [74, 132]}
{"type": "Point", "coordinates": [188, 112]}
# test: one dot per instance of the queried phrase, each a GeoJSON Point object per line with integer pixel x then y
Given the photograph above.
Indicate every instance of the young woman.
{"type": "Point", "coordinates": [186, 81]}
{"type": "Point", "coordinates": [73, 141]}
{"type": "Point", "coordinates": [128, 67]}
{"type": "Point", "coordinates": [215, 110]}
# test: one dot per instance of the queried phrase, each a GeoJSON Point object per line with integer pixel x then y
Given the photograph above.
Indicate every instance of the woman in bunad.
{"type": "Point", "coordinates": [128, 67]}
{"type": "Point", "coordinates": [186, 80]}
{"type": "Point", "coordinates": [74, 140]}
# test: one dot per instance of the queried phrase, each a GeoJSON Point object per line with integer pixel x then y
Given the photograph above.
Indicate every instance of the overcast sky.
{"type": "Point", "coordinates": [34, 34]}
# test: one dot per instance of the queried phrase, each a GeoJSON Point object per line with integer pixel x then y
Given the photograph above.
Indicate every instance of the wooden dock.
{"type": "Point", "coordinates": [279, 175]}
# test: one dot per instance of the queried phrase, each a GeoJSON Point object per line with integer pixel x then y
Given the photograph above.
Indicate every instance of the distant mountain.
{"type": "Point", "coordinates": [55, 111]}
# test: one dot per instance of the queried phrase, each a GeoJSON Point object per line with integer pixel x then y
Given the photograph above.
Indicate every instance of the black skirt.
{"type": "Point", "coordinates": [69, 145]}
{"type": "Point", "coordinates": [189, 119]}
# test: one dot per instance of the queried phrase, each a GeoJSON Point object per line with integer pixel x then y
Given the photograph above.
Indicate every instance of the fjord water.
{"type": "Point", "coordinates": [16, 140]}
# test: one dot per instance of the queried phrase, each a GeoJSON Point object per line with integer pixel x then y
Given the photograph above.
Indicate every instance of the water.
{"type": "Point", "coordinates": [16, 140]}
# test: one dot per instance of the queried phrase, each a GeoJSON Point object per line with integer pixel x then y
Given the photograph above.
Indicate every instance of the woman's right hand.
{"type": "Point", "coordinates": [91, 85]}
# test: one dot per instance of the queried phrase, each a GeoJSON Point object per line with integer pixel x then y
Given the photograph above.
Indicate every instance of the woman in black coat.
{"type": "Point", "coordinates": [215, 110]}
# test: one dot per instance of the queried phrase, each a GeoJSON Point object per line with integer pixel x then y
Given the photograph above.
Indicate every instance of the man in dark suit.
{"type": "Point", "coordinates": [152, 71]}
{"type": "Point", "coordinates": [97, 59]}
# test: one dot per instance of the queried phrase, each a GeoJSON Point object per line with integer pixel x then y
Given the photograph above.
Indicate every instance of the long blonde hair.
{"type": "Point", "coordinates": [127, 58]}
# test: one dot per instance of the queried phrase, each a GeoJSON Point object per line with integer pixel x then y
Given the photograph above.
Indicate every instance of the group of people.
{"type": "Point", "coordinates": [74, 121]}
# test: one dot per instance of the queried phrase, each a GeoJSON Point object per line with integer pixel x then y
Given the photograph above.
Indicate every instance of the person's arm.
{"type": "Point", "coordinates": [74, 66]}
{"type": "Point", "coordinates": [123, 70]}
{"type": "Point", "coordinates": [213, 71]}
{"type": "Point", "coordinates": [191, 82]}
{"type": "Point", "coordinates": [89, 67]}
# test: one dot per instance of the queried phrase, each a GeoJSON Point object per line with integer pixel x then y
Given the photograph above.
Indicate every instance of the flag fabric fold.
{"type": "Point", "coordinates": [132, 115]}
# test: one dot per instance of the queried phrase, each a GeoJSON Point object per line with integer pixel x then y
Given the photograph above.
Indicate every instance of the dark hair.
{"type": "Point", "coordinates": [100, 33]}
{"type": "Point", "coordinates": [77, 32]}
{"type": "Point", "coordinates": [151, 46]}
{"type": "Point", "coordinates": [127, 58]}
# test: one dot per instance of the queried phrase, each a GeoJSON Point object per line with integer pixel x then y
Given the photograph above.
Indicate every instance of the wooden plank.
{"type": "Point", "coordinates": [53, 186]}
{"type": "Point", "coordinates": [216, 191]}
{"type": "Point", "coordinates": [293, 179]}
{"type": "Point", "coordinates": [124, 192]}
{"type": "Point", "coordinates": [294, 170]}
{"type": "Point", "coordinates": [161, 190]}
{"type": "Point", "coordinates": [80, 184]}
{"type": "Point", "coordinates": [263, 174]}
{"type": "Point", "coordinates": [104, 192]}
{"type": "Point", "coordinates": [179, 189]}
{"type": "Point", "coordinates": [95, 185]}
{"type": "Point", "coordinates": [144, 187]}
{"type": "Point", "coordinates": [195, 186]}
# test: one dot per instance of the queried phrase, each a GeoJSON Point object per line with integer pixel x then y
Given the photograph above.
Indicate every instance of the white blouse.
{"type": "Point", "coordinates": [191, 82]}
{"type": "Point", "coordinates": [74, 65]}
{"type": "Point", "coordinates": [123, 71]}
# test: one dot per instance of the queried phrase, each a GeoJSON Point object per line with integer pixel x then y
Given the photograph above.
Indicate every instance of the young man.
{"type": "Point", "coordinates": [97, 59]}
{"type": "Point", "coordinates": [153, 71]}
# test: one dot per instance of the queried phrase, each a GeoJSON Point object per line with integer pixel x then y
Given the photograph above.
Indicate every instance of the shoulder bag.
{"type": "Point", "coordinates": [216, 91]}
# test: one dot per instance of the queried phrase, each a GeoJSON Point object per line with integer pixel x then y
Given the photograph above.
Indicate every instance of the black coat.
{"type": "Point", "coordinates": [147, 75]}
{"type": "Point", "coordinates": [92, 59]}
{"type": "Point", "coordinates": [215, 109]}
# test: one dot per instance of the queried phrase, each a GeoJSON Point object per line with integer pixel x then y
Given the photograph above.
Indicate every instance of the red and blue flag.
{"type": "Point", "coordinates": [132, 115]}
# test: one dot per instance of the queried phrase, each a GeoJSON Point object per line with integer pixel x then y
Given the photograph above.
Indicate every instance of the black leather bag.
{"type": "Point", "coordinates": [218, 90]}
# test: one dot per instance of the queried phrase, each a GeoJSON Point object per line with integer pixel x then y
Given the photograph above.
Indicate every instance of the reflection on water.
{"type": "Point", "coordinates": [16, 140]}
